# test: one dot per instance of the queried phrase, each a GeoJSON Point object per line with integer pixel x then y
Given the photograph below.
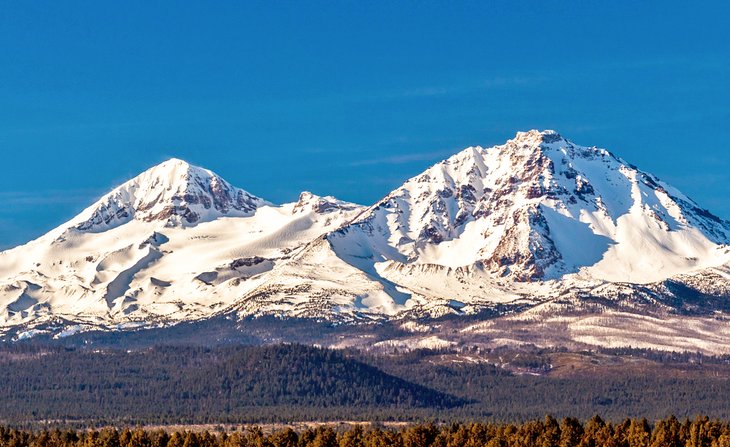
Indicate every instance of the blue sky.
{"type": "Point", "coordinates": [347, 98]}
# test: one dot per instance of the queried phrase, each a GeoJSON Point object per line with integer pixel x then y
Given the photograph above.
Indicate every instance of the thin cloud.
{"type": "Point", "coordinates": [402, 159]}
{"type": "Point", "coordinates": [47, 197]}
{"type": "Point", "coordinates": [462, 88]}
{"type": "Point", "coordinates": [76, 126]}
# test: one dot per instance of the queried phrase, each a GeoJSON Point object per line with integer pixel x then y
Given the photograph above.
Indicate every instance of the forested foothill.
{"type": "Point", "coordinates": [81, 387]}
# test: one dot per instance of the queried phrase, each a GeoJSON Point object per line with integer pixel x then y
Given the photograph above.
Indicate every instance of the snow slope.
{"type": "Point", "coordinates": [538, 227]}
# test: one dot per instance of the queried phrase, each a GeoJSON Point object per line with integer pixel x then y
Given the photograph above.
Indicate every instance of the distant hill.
{"type": "Point", "coordinates": [199, 385]}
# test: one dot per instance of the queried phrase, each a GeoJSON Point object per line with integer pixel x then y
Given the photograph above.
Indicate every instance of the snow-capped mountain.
{"type": "Point", "coordinates": [174, 243]}
{"type": "Point", "coordinates": [528, 220]}
{"type": "Point", "coordinates": [173, 192]}
{"type": "Point", "coordinates": [534, 229]}
{"type": "Point", "coordinates": [537, 208]}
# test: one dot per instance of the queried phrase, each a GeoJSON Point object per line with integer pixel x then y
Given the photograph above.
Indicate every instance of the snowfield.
{"type": "Point", "coordinates": [538, 230]}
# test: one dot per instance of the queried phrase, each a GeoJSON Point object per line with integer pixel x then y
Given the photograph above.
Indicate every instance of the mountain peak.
{"type": "Point", "coordinates": [176, 166]}
{"type": "Point", "coordinates": [540, 207]}
{"type": "Point", "coordinates": [175, 161]}
{"type": "Point", "coordinates": [320, 205]}
{"type": "Point", "coordinates": [174, 192]}
{"type": "Point", "coordinates": [536, 137]}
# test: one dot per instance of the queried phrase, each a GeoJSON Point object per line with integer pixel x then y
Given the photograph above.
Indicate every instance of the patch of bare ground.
{"type": "Point", "coordinates": [586, 364]}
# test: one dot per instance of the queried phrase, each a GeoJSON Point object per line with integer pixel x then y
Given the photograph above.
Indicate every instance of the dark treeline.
{"type": "Point", "coordinates": [200, 385]}
{"type": "Point", "coordinates": [263, 384]}
{"type": "Point", "coordinates": [548, 432]}
{"type": "Point", "coordinates": [669, 357]}
{"type": "Point", "coordinates": [500, 395]}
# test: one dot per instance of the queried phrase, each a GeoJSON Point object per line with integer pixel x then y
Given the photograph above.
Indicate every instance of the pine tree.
{"type": "Point", "coordinates": [571, 432]}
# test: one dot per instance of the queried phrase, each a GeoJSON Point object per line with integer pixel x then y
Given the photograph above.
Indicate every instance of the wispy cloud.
{"type": "Point", "coordinates": [462, 87]}
{"type": "Point", "coordinates": [79, 126]}
{"type": "Point", "coordinates": [48, 197]}
{"type": "Point", "coordinates": [402, 158]}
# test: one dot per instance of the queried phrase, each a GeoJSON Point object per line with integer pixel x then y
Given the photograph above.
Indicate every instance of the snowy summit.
{"type": "Point", "coordinates": [175, 192]}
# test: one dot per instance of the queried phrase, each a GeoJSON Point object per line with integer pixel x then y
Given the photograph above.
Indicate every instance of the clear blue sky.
{"type": "Point", "coordinates": [347, 98]}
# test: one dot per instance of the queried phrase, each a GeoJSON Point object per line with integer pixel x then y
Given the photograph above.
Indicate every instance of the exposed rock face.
{"type": "Point", "coordinates": [320, 205]}
{"type": "Point", "coordinates": [525, 258]}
